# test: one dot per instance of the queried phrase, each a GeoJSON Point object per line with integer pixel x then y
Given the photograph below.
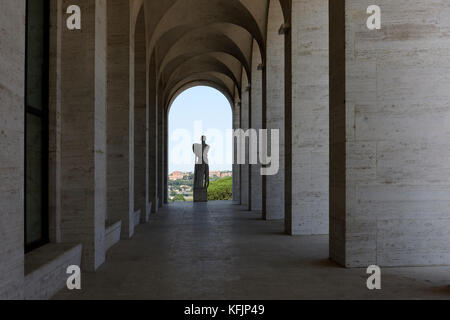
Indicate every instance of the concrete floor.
{"type": "Point", "coordinates": [219, 251]}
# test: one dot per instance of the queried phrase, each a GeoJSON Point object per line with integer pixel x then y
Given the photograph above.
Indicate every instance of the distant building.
{"type": "Point", "coordinates": [177, 175]}
{"type": "Point", "coordinates": [220, 174]}
{"type": "Point", "coordinates": [214, 174]}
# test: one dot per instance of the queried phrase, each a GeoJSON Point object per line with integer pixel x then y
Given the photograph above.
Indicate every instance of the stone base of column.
{"type": "Point", "coordinates": [146, 218]}
{"type": "Point", "coordinates": [155, 205]}
{"type": "Point", "coordinates": [200, 195]}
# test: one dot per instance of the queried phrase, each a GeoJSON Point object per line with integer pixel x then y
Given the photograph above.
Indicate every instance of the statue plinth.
{"type": "Point", "coordinates": [200, 195]}
{"type": "Point", "coordinates": [201, 183]}
{"type": "Point", "coordinates": [201, 176]}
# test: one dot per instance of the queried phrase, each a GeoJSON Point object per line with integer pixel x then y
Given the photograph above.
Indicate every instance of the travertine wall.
{"type": "Point", "coordinates": [256, 110]}
{"type": "Point", "coordinates": [245, 124]}
{"type": "Point", "coordinates": [391, 130]}
{"type": "Point", "coordinates": [83, 133]}
{"type": "Point", "coordinates": [12, 79]}
{"type": "Point", "coordinates": [275, 108]}
{"type": "Point", "coordinates": [309, 208]}
{"type": "Point", "coordinates": [120, 117]}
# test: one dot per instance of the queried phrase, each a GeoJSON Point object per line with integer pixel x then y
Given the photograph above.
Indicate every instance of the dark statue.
{"type": "Point", "coordinates": [201, 176]}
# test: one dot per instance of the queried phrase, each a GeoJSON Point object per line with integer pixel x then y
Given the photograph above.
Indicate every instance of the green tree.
{"type": "Point", "coordinates": [179, 198]}
{"type": "Point", "coordinates": [221, 189]}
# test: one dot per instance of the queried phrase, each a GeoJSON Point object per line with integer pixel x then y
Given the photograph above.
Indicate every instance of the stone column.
{"type": "Point", "coordinates": [54, 119]}
{"type": "Point", "coordinates": [12, 84]}
{"type": "Point", "coordinates": [274, 200]}
{"type": "Point", "coordinates": [140, 126]}
{"type": "Point", "coordinates": [166, 159]}
{"type": "Point", "coordinates": [236, 167]}
{"type": "Point", "coordinates": [390, 146]}
{"type": "Point", "coordinates": [152, 137]}
{"type": "Point", "coordinates": [307, 120]}
{"type": "Point", "coordinates": [256, 111]}
{"type": "Point", "coordinates": [83, 132]}
{"type": "Point", "coordinates": [161, 155]}
{"type": "Point", "coordinates": [120, 117]}
{"type": "Point", "coordinates": [245, 124]}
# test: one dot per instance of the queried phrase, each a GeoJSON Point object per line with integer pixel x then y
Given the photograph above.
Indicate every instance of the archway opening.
{"type": "Point", "coordinates": [196, 112]}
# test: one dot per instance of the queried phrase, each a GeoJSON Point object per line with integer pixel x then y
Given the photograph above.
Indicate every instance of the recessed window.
{"type": "Point", "coordinates": [36, 125]}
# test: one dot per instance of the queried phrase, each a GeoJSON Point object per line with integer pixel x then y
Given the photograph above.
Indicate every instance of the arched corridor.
{"type": "Point", "coordinates": [340, 146]}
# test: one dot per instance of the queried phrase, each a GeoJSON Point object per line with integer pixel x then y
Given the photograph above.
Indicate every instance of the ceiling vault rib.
{"type": "Point", "coordinates": [206, 42]}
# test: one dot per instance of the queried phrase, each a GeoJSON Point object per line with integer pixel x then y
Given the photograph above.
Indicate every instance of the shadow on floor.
{"type": "Point", "coordinates": [218, 251]}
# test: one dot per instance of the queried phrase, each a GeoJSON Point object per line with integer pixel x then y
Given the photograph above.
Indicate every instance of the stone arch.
{"type": "Point", "coordinates": [210, 82]}
{"type": "Point", "coordinates": [286, 7]}
{"type": "Point", "coordinates": [136, 12]}
{"type": "Point", "coordinates": [197, 65]}
{"type": "Point", "coordinates": [182, 31]}
{"type": "Point", "coordinates": [200, 41]}
{"type": "Point", "coordinates": [226, 43]}
{"type": "Point", "coordinates": [197, 83]}
{"type": "Point", "coordinates": [205, 12]}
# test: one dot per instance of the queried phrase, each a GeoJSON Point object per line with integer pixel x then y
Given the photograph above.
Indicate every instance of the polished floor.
{"type": "Point", "coordinates": [220, 251]}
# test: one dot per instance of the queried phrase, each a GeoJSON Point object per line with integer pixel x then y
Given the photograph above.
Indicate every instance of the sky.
{"type": "Point", "coordinates": [200, 111]}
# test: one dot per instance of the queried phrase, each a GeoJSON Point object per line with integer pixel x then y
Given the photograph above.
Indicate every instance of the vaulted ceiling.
{"type": "Point", "coordinates": [203, 42]}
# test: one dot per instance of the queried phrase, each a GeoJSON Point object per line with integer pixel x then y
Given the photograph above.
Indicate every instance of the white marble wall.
{"type": "Point", "coordinates": [397, 131]}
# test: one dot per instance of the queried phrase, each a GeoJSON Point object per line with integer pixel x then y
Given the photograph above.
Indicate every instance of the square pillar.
{"type": "Point", "coordinates": [161, 154]}
{"type": "Point", "coordinates": [120, 117]}
{"type": "Point", "coordinates": [141, 122]}
{"type": "Point", "coordinates": [83, 132]}
{"type": "Point", "coordinates": [307, 119]}
{"type": "Point", "coordinates": [256, 118]}
{"type": "Point", "coordinates": [236, 167]}
{"type": "Point", "coordinates": [274, 111]}
{"type": "Point", "coordinates": [245, 125]}
{"type": "Point", "coordinates": [152, 138]}
{"type": "Point", "coordinates": [12, 132]}
{"type": "Point", "coordinates": [390, 115]}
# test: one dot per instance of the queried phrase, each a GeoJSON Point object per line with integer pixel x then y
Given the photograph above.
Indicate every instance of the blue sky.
{"type": "Point", "coordinates": [200, 111]}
